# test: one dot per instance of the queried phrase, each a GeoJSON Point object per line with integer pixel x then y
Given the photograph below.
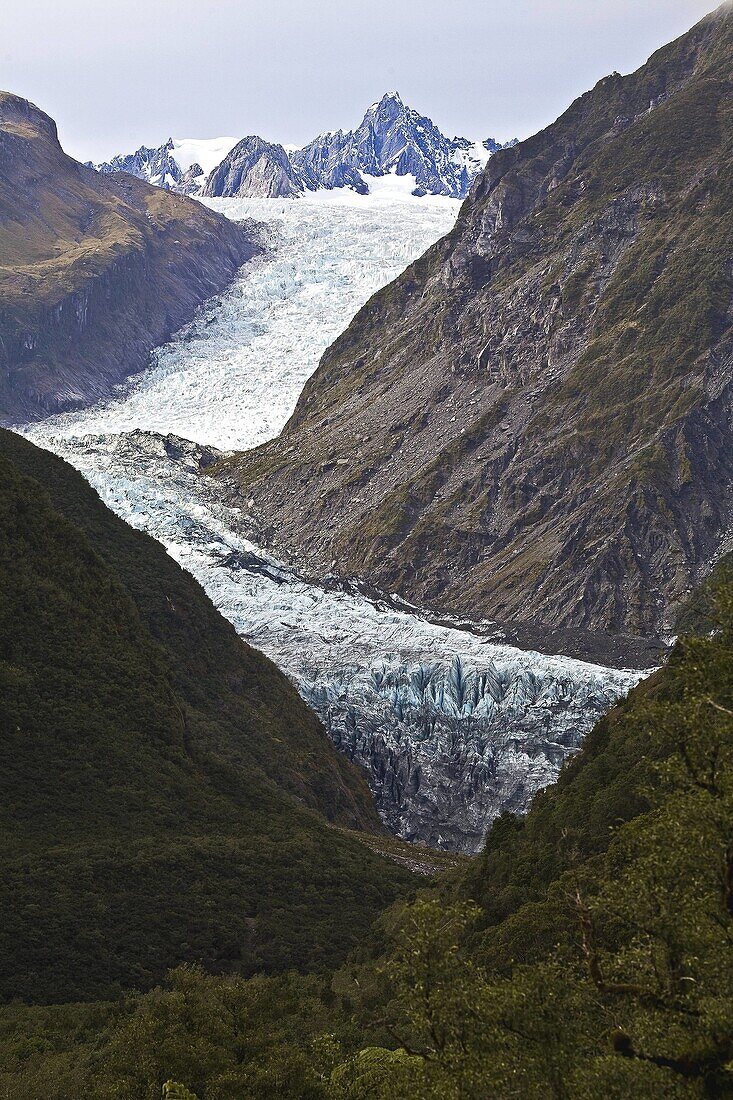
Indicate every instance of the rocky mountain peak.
{"type": "Point", "coordinates": [391, 138]}
{"type": "Point", "coordinates": [386, 111]}
{"type": "Point", "coordinates": [394, 138]}
{"type": "Point", "coordinates": [157, 166]}
{"type": "Point", "coordinates": [255, 167]}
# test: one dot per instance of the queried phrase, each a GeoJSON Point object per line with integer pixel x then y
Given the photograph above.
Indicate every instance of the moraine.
{"type": "Point", "coordinates": [451, 728]}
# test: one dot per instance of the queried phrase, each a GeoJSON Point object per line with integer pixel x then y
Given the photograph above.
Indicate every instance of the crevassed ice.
{"type": "Point", "coordinates": [233, 376]}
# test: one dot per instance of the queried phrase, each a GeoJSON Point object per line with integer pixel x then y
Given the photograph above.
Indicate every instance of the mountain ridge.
{"type": "Point", "coordinates": [494, 403]}
{"type": "Point", "coordinates": [95, 270]}
{"type": "Point", "coordinates": [391, 137]}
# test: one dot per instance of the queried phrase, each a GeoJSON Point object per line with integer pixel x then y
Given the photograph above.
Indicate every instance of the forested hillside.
{"type": "Point", "coordinates": [165, 792]}
{"type": "Point", "coordinates": [588, 953]}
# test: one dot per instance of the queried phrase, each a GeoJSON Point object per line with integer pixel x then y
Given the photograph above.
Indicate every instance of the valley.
{"type": "Point", "coordinates": [452, 726]}
{"type": "Point", "coordinates": [366, 587]}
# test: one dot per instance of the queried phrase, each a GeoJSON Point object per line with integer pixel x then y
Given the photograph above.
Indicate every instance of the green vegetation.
{"type": "Point", "coordinates": [165, 793]}
{"type": "Point", "coordinates": [587, 954]}
{"type": "Point", "coordinates": [665, 305]}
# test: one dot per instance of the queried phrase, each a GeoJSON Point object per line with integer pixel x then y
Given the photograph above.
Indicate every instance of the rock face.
{"type": "Point", "coordinates": [95, 270]}
{"type": "Point", "coordinates": [391, 138]}
{"type": "Point", "coordinates": [323, 163]}
{"type": "Point", "coordinates": [533, 423]}
{"type": "Point", "coordinates": [255, 168]}
{"type": "Point", "coordinates": [394, 138]}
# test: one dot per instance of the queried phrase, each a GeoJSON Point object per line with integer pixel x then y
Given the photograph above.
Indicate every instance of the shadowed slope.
{"type": "Point", "coordinates": [165, 792]}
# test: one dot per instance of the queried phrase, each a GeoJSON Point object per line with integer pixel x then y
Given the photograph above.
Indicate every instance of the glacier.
{"type": "Point", "coordinates": [451, 726]}
{"type": "Point", "coordinates": [232, 377]}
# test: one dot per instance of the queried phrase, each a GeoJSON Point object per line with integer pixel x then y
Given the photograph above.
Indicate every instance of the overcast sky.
{"type": "Point", "coordinates": [117, 73]}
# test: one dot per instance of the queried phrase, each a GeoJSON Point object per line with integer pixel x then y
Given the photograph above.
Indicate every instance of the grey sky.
{"type": "Point", "coordinates": [117, 73]}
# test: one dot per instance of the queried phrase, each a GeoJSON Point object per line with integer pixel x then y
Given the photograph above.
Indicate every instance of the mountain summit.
{"type": "Point", "coordinates": [255, 167]}
{"type": "Point", "coordinates": [391, 138]}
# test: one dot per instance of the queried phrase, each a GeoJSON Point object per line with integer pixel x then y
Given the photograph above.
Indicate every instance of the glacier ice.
{"type": "Point", "coordinates": [231, 378]}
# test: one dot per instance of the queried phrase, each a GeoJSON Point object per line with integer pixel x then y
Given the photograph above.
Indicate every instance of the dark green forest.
{"type": "Point", "coordinates": [588, 952]}
{"type": "Point", "coordinates": [166, 796]}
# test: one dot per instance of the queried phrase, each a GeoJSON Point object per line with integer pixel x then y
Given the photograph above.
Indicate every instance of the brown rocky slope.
{"type": "Point", "coordinates": [533, 423]}
{"type": "Point", "coordinates": [94, 270]}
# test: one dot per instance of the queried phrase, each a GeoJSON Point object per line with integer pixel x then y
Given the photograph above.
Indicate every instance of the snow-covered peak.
{"type": "Point", "coordinates": [157, 166]}
{"type": "Point", "coordinates": [175, 165]}
{"type": "Point", "coordinates": [391, 139]}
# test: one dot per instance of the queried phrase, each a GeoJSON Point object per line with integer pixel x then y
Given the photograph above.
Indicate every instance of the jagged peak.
{"type": "Point", "coordinates": [390, 106]}
{"type": "Point", "coordinates": [388, 97]}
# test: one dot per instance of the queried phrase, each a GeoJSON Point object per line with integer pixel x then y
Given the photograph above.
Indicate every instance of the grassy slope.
{"type": "Point", "coordinates": [62, 222]}
{"type": "Point", "coordinates": [165, 792]}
